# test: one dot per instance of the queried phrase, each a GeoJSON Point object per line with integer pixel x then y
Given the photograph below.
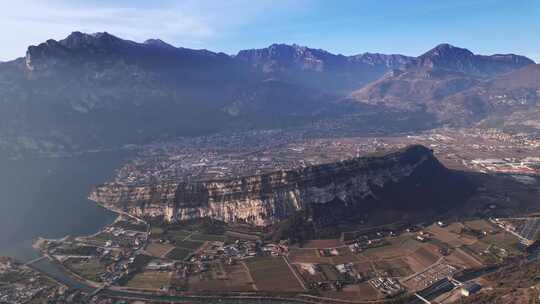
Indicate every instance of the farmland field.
{"type": "Point", "coordinates": [272, 274]}
{"type": "Point", "coordinates": [394, 268]}
{"type": "Point", "coordinates": [193, 245]}
{"type": "Point", "coordinates": [481, 225]}
{"type": "Point", "coordinates": [158, 250]}
{"type": "Point", "coordinates": [358, 292]}
{"type": "Point", "coordinates": [297, 255]}
{"type": "Point", "coordinates": [326, 243]}
{"type": "Point", "coordinates": [446, 235]}
{"type": "Point", "coordinates": [422, 258]}
{"type": "Point", "coordinates": [329, 272]}
{"type": "Point", "coordinates": [345, 256]}
{"type": "Point", "coordinates": [365, 269]}
{"type": "Point", "coordinates": [503, 240]}
{"type": "Point", "coordinates": [153, 280]}
{"type": "Point", "coordinates": [178, 235]}
{"type": "Point", "coordinates": [463, 259]}
{"type": "Point", "coordinates": [178, 254]}
{"type": "Point", "coordinates": [396, 248]}
{"type": "Point", "coordinates": [88, 269]}
{"type": "Point", "coordinates": [207, 237]}
{"type": "Point", "coordinates": [222, 277]}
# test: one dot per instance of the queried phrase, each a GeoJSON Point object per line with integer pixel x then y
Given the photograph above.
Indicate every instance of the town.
{"type": "Point", "coordinates": [256, 152]}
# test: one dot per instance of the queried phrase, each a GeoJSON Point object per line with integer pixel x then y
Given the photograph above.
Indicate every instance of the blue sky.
{"type": "Point", "coordinates": [349, 27]}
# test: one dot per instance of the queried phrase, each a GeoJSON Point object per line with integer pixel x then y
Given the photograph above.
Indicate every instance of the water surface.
{"type": "Point", "coordinates": [48, 197]}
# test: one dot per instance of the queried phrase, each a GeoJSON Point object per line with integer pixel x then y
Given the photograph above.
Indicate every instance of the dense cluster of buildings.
{"type": "Point", "coordinates": [21, 284]}
{"type": "Point", "coordinates": [387, 286]}
{"type": "Point", "coordinates": [245, 154]}
{"type": "Point", "coordinates": [255, 152]}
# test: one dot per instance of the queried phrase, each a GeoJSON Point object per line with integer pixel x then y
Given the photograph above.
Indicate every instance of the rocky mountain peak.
{"type": "Point", "coordinates": [448, 57]}
{"type": "Point", "coordinates": [392, 61]}
{"type": "Point", "coordinates": [445, 49]}
{"type": "Point", "coordinates": [78, 40]}
{"type": "Point", "coordinates": [159, 43]}
{"type": "Point", "coordinates": [278, 57]}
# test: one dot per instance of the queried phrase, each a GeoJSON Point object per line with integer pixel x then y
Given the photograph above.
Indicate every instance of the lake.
{"type": "Point", "coordinates": [47, 197]}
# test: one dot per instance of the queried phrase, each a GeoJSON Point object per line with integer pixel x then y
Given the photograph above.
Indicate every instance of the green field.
{"type": "Point", "coordinates": [156, 231]}
{"type": "Point", "coordinates": [272, 274]}
{"type": "Point", "coordinates": [88, 269]}
{"type": "Point", "coordinates": [130, 226]}
{"type": "Point", "coordinates": [70, 249]}
{"type": "Point", "coordinates": [330, 272]}
{"type": "Point", "coordinates": [208, 237]}
{"type": "Point", "coordinates": [193, 245]}
{"type": "Point", "coordinates": [178, 254]}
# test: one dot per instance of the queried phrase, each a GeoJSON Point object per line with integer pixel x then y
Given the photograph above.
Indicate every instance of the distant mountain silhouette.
{"type": "Point", "coordinates": [98, 90]}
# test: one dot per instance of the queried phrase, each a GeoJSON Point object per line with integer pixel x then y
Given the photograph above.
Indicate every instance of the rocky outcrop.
{"type": "Point", "coordinates": [266, 199]}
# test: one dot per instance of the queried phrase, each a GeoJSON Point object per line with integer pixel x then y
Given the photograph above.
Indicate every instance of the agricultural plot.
{"type": "Point", "coordinates": [481, 253]}
{"type": "Point", "coordinates": [396, 247]}
{"type": "Point", "coordinates": [326, 243]}
{"type": "Point", "coordinates": [481, 225]}
{"type": "Point", "coordinates": [393, 268]}
{"type": "Point", "coordinates": [463, 259]}
{"type": "Point", "coordinates": [192, 245]}
{"type": "Point", "coordinates": [221, 277]}
{"type": "Point", "coordinates": [422, 258]}
{"type": "Point", "coordinates": [156, 232]}
{"type": "Point", "coordinates": [503, 240]}
{"type": "Point", "coordinates": [178, 235]}
{"type": "Point", "coordinates": [357, 292]}
{"type": "Point", "coordinates": [300, 255]}
{"type": "Point", "coordinates": [207, 237]}
{"type": "Point", "coordinates": [149, 280]}
{"type": "Point", "coordinates": [310, 273]}
{"type": "Point", "coordinates": [272, 274]}
{"type": "Point", "coordinates": [385, 252]}
{"type": "Point", "coordinates": [71, 250]}
{"type": "Point", "coordinates": [158, 250]}
{"type": "Point", "coordinates": [329, 272]}
{"type": "Point", "coordinates": [344, 256]}
{"type": "Point", "coordinates": [366, 270]}
{"type": "Point", "coordinates": [128, 225]}
{"type": "Point", "coordinates": [448, 236]}
{"type": "Point", "coordinates": [90, 269]}
{"type": "Point", "coordinates": [178, 254]}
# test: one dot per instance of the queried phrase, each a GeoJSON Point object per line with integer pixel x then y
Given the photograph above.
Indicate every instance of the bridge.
{"type": "Point", "coordinates": [93, 293]}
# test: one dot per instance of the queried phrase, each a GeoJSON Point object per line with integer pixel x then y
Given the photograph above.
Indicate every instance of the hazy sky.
{"type": "Point", "coordinates": [349, 27]}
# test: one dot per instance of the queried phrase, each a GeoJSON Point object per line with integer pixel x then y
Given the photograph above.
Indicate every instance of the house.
{"type": "Point", "coordinates": [470, 288]}
{"type": "Point", "coordinates": [421, 238]}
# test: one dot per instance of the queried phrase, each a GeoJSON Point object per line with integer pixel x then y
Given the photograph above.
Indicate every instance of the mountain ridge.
{"type": "Point", "coordinates": [96, 90]}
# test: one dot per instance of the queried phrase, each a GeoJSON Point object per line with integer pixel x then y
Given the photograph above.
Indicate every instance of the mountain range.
{"type": "Point", "coordinates": [98, 90]}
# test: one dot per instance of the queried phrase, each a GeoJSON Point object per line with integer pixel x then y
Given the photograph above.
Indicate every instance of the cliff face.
{"type": "Point", "coordinates": [266, 199]}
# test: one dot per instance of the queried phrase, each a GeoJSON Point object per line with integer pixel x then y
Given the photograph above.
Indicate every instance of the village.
{"type": "Point", "coordinates": [372, 265]}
